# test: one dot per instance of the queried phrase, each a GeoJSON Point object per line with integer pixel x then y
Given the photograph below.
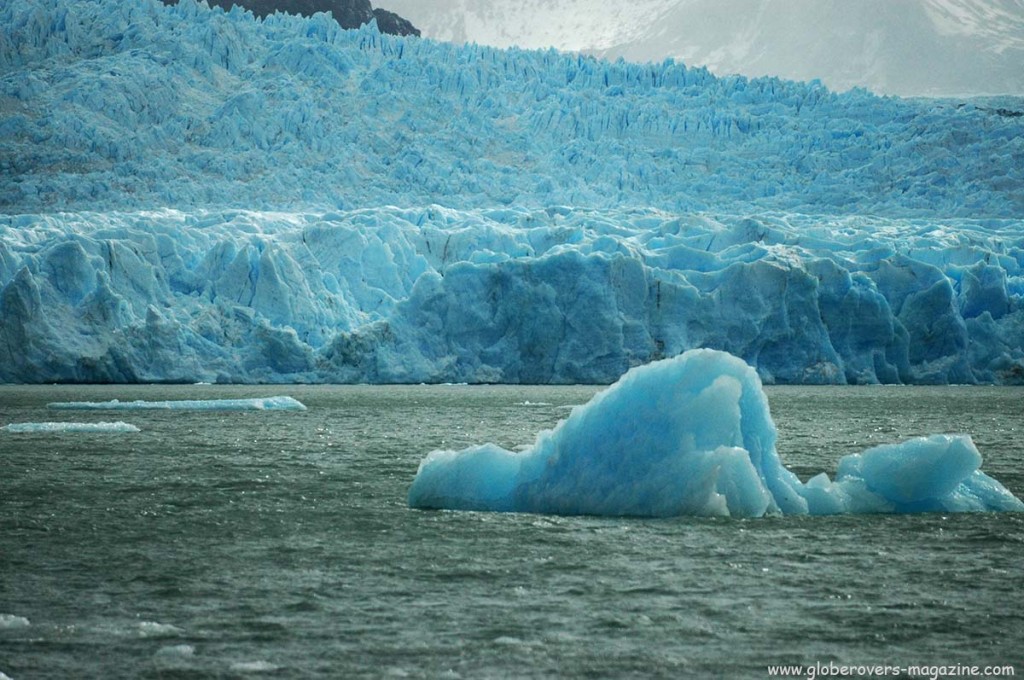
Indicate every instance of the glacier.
{"type": "Point", "coordinates": [692, 435]}
{"type": "Point", "coordinates": [506, 295]}
{"type": "Point", "coordinates": [110, 105]}
{"type": "Point", "coordinates": [191, 195]}
{"type": "Point", "coordinates": [907, 48]}
{"type": "Point", "coordinates": [259, 404]}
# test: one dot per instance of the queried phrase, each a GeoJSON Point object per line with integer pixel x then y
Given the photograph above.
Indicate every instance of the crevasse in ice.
{"type": "Point", "coordinates": [693, 435]}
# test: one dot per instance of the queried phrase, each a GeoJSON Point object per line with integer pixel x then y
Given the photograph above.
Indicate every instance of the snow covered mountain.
{"type": "Point", "coordinates": [903, 47]}
{"type": "Point", "coordinates": [189, 194]}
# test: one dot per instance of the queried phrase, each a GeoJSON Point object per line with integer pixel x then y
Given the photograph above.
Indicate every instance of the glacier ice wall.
{"type": "Point", "coordinates": [193, 195]}
{"type": "Point", "coordinates": [136, 105]}
{"type": "Point", "coordinates": [505, 295]}
{"type": "Point", "coordinates": [258, 404]}
{"type": "Point", "coordinates": [692, 435]}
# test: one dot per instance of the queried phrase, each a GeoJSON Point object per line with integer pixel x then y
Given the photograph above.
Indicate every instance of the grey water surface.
{"type": "Point", "coordinates": [279, 544]}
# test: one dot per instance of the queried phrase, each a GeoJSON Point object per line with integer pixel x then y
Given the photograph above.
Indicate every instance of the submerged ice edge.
{"type": "Point", "coordinates": [693, 435]}
{"type": "Point", "coordinates": [48, 427]}
{"type": "Point", "coordinates": [257, 404]}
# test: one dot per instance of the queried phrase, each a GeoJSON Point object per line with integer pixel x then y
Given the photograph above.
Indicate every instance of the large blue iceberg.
{"type": "Point", "coordinates": [693, 435]}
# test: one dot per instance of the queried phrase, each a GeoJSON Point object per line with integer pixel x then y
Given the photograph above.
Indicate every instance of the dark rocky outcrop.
{"type": "Point", "coordinates": [389, 22]}
{"type": "Point", "coordinates": [348, 13]}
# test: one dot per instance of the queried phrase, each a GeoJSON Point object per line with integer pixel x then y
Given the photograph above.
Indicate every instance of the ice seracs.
{"type": "Point", "coordinates": [908, 48]}
{"type": "Point", "coordinates": [192, 107]}
{"type": "Point", "coordinates": [190, 195]}
{"type": "Point", "coordinates": [438, 295]}
{"type": "Point", "coordinates": [692, 435]}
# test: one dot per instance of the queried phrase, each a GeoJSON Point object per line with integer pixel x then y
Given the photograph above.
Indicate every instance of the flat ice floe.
{"type": "Point", "coordinates": [32, 428]}
{"type": "Point", "coordinates": [264, 404]}
{"type": "Point", "coordinates": [693, 435]}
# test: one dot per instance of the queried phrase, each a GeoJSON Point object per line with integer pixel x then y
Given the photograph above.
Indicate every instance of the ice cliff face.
{"type": "Point", "coordinates": [505, 295]}
{"type": "Point", "coordinates": [907, 47]}
{"type": "Point", "coordinates": [197, 195]}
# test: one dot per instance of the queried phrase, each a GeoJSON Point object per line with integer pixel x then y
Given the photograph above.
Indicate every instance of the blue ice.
{"type": "Point", "coordinates": [174, 210]}
{"type": "Point", "coordinates": [33, 428]}
{"type": "Point", "coordinates": [434, 295]}
{"type": "Point", "coordinates": [693, 435]}
{"type": "Point", "coordinates": [262, 404]}
{"type": "Point", "coordinates": [205, 108]}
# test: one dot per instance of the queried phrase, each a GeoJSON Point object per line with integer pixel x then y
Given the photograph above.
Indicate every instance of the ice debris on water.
{"type": "Point", "coordinates": [260, 404]}
{"type": "Point", "coordinates": [176, 651]}
{"type": "Point", "coordinates": [31, 428]}
{"type": "Point", "coordinates": [693, 435]}
{"type": "Point", "coordinates": [9, 621]}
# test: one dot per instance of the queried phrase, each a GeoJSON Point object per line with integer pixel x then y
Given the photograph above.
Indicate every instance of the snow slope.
{"type": "Point", "coordinates": [904, 47]}
{"type": "Point", "coordinates": [190, 195]}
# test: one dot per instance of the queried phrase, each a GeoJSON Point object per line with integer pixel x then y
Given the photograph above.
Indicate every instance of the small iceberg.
{"type": "Point", "coordinates": [264, 404]}
{"type": "Point", "coordinates": [23, 428]}
{"type": "Point", "coordinates": [9, 621]}
{"type": "Point", "coordinates": [693, 435]}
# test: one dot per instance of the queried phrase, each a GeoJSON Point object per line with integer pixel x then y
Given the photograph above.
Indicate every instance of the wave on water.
{"type": "Point", "coordinates": [254, 667]}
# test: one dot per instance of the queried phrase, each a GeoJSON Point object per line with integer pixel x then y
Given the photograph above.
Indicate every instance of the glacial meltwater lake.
{"type": "Point", "coordinates": [279, 544]}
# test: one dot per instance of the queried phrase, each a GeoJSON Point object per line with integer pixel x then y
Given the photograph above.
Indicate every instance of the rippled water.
{"type": "Point", "coordinates": [280, 544]}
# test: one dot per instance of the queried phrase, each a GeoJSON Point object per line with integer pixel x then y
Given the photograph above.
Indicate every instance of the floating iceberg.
{"type": "Point", "coordinates": [70, 427]}
{"type": "Point", "coordinates": [8, 621]}
{"type": "Point", "coordinates": [264, 404]}
{"type": "Point", "coordinates": [693, 435]}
